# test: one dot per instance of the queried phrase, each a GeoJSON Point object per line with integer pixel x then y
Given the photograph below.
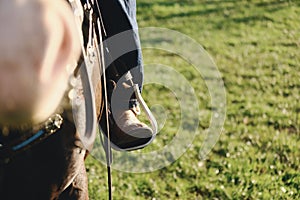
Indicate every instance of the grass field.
{"type": "Point", "coordinates": [256, 46]}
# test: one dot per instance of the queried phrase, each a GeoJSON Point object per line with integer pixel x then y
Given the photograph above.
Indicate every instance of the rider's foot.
{"type": "Point", "coordinates": [129, 133]}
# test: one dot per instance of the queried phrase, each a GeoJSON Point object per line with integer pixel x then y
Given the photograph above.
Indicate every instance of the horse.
{"type": "Point", "coordinates": [44, 157]}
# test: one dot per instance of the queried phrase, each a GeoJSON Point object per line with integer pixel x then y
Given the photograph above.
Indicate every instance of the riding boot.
{"type": "Point", "coordinates": [127, 132]}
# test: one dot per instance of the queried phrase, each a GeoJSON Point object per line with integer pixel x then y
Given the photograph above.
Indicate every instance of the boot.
{"type": "Point", "coordinates": [127, 132]}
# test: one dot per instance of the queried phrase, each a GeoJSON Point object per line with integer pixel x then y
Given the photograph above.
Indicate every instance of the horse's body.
{"type": "Point", "coordinates": [52, 168]}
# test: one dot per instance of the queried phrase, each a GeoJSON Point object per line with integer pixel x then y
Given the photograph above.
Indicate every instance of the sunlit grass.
{"type": "Point", "coordinates": [256, 47]}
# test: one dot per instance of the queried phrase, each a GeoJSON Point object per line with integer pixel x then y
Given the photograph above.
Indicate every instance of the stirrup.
{"type": "Point", "coordinates": [149, 115]}
{"type": "Point", "coordinates": [143, 104]}
{"type": "Point", "coordinates": [134, 143]}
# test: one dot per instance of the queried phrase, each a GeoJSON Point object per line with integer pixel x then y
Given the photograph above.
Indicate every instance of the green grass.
{"type": "Point", "coordinates": [256, 46]}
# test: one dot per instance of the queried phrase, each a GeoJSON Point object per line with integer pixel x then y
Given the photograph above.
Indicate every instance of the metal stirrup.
{"type": "Point", "coordinates": [143, 104]}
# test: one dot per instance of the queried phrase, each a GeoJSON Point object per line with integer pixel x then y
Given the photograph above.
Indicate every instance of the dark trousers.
{"type": "Point", "coordinates": [121, 39]}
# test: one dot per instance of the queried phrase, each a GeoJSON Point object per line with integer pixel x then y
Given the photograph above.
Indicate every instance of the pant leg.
{"type": "Point", "coordinates": [119, 19]}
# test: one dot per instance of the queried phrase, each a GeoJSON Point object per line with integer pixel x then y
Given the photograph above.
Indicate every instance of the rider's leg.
{"type": "Point", "coordinates": [123, 55]}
